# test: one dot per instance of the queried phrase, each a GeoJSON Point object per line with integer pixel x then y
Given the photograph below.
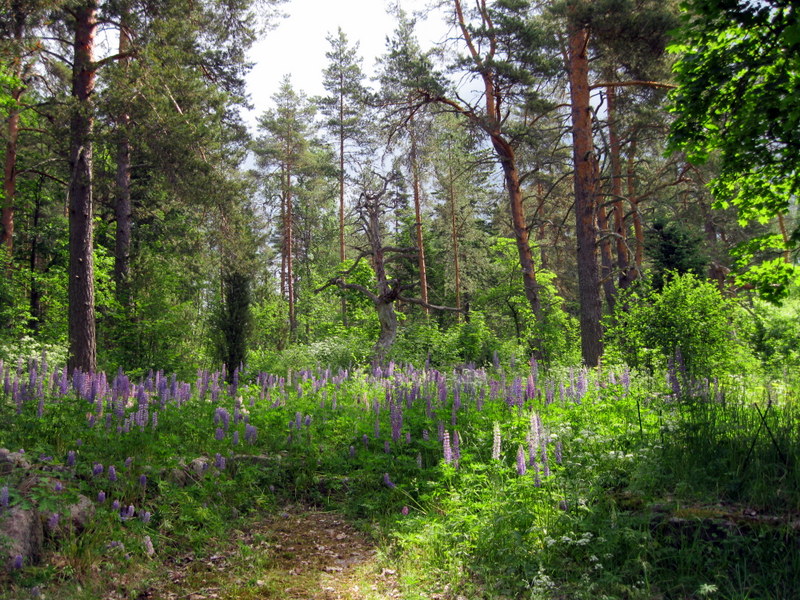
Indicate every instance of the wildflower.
{"type": "Point", "coordinates": [388, 482]}
{"type": "Point", "coordinates": [219, 461]}
{"type": "Point", "coordinates": [148, 546]}
{"type": "Point", "coordinates": [128, 462]}
{"type": "Point", "coordinates": [52, 522]}
{"type": "Point", "coordinates": [448, 452]}
{"type": "Point", "coordinates": [496, 441]}
{"type": "Point", "coordinates": [143, 481]}
{"type": "Point", "coordinates": [521, 466]}
{"type": "Point", "coordinates": [101, 497]}
{"type": "Point", "coordinates": [112, 473]}
{"type": "Point", "coordinates": [17, 562]}
{"type": "Point", "coordinates": [58, 487]}
{"type": "Point", "coordinates": [456, 446]}
{"type": "Point", "coordinates": [97, 469]}
{"type": "Point", "coordinates": [558, 452]}
{"type": "Point", "coordinates": [352, 451]}
{"type": "Point", "coordinates": [145, 516]}
{"type": "Point", "coordinates": [115, 505]}
{"type": "Point", "coordinates": [235, 438]}
{"type": "Point", "coordinates": [4, 497]}
{"type": "Point", "coordinates": [219, 434]}
{"type": "Point", "coordinates": [425, 435]}
{"type": "Point", "coordinates": [386, 447]}
{"type": "Point", "coordinates": [365, 439]}
{"type": "Point", "coordinates": [404, 511]}
{"type": "Point", "coordinates": [250, 433]}
{"type": "Point", "coordinates": [71, 458]}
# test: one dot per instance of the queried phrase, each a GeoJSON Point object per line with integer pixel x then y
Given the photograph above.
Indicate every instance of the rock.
{"type": "Point", "coordinates": [12, 460]}
{"type": "Point", "coordinates": [81, 512]}
{"type": "Point", "coordinates": [22, 533]}
{"type": "Point", "coordinates": [200, 465]}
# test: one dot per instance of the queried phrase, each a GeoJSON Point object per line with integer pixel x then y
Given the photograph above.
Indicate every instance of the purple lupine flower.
{"type": "Point", "coordinates": [52, 522]}
{"type": "Point", "coordinates": [456, 446]}
{"type": "Point", "coordinates": [219, 461]}
{"type": "Point", "coordinates": [235, 438]}
{"type": "Point", "coordinates": [71, 458]}
{"type": "Point", "coordinates": [352, 451]}
{"type": "Point", "coordinates": [408, 437]}
{"type": "Point", "coordinates": [145, 516]}
{"type": "Point", "coordinates": [97, 469]}
{"type": "Point", "coordinates": [425, 435]}
{"type": "Point", "coordinates": [404, 511]}
{"type": "Point", "coordinates": [307, 421]}
{"type": "Point", "coordinates": [115, 505]}
{"type": "Point", "coordinates": [128, 462]}
{"type": "Point", "coordinates": [18, 562]}
{"type": "Point", "coordinates": [521, 466]}
{"type": "Point", "coordinates": [440, 431]}
{"type": "Point", "coordinates": [446, 449]}
{"type": "Point", "coordinates": [112, 473]}
{"type": "Point", "coordinates": [558, 452]}
{"type": "Point", "coordinates": [387, 447]}
{"type": "Point", "coordinates": [154, 419]}
{"type": "Point", "coordinates": [58, 487]}
{"type": "Point", "coordinates": [219, 434]}
{"type": "Point", "coordinates": [101, 497]}
{"type": "Point", "coordinates": [388, 482]}
{"type": "Point", "coordinates": [148, 546]}
{"type": "Point", "coordinates": [365, 440]}
{"type": "Point", "coordinates": [250, 433]}
{"type": "Point", "coordinates": [143, 481]}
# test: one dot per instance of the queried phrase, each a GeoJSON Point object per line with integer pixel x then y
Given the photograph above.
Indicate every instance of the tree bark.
{"type": "Point", "coordinates": [12, 131]}
{"type": "Point", "coordinates": [289, 251]}
{"type": "Point", "coordinates": [342, 250]}
{"type": "Point", "coordinates": [638, 229]}
{"type": "Point", "coordinates": [454, 233]}
{"type": "Point", "coordinates": [615, 149]}
{"type": "Point", "coordinates": [585, 190]}
{"type": "Point", "coordinates": [82, 335]}
{"type": "Point", "coordinates": [122, 207]}
{"type": "Point", "coordinates": [423, 272]}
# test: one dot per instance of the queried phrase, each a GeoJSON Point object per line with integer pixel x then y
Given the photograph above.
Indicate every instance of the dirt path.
{"type": "Point", "coordinates": [298, 554]}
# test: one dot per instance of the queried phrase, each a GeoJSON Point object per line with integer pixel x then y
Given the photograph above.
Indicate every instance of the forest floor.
{"type": "Point", "coordinates": [299, 553]}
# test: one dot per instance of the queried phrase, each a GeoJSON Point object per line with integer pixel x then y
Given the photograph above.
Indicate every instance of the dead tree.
{"type": "Point", "coordinates": [377, 198]}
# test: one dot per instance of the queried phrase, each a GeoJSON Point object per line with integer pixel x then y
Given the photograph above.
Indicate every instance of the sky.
{"type": "Point", "coordinates": [297, 45]}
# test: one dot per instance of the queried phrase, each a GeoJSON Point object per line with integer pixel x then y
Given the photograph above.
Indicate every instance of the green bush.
{"type": "Point", "coordinates": [689, 315]}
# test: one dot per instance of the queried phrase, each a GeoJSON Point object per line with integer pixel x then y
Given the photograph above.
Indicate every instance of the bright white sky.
{"type": "Point", "coordinates": [298, 44]}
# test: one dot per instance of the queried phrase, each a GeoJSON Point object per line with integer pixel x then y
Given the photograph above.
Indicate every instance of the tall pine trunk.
{"type": "Point", "coordinates": [615, 151]}
{"type": "Point", "coordinates": [122, 207]}
{"type": "Point", "coordinates": [423, 271]}
{"type": "Point", "coordinates": [342, 250]}
{"type": "Point", "coordinates": [12, 133]}
{"type": "Point", "coordinates": [585, 192]}
{"type": "Point", "coordinates": [454, 234]}
{"type": "Point", "coordinates": [82, 335]}
{"type": "Point", "coordinates": [289, 233]}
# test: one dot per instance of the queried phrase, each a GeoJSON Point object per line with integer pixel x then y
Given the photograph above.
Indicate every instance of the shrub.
{"type": "Point", "coordinates": [688, 315]}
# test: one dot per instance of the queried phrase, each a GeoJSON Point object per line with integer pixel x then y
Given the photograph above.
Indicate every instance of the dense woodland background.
{"type": "Point", "coordinates": [514, 191]}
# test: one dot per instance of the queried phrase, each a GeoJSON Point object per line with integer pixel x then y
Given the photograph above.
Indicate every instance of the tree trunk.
{"type": "Point", "coordinates": [289, 250]}
{"type": "Point", "coordinates": [342, 250]}
{"type": "Point", "coordinates": [82, 336]}
{"type": "Point", "coordinates": [585, 184]}
{"type": "Point", "coordinates": [615, 148]}
{"type": "Point", "coordinates": [122, 207]}
{"type": "Point", "coordinates": [638, 229]}
{"type": "Point", "coordinates": [454, 233]}
{"type": "Point", "coordinates": [12, 131]}
{"type": "Point", "coordinates": [423, 272]}
{"type": "Point", "coordinates": [36, 293]}
{"type": "Point", "coordinates": [520, 227]}
{"type": "Point", "coordinates": [387, 317]}
{"type": "Point", "coordinates": [606, 260]}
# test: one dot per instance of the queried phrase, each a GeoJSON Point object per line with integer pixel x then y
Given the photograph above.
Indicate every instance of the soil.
{"type": "Point", "coordinates": [300, 553]}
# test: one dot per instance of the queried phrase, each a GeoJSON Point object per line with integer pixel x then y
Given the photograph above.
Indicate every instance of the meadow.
{"type": "Point", "coordinates": [507, 481]}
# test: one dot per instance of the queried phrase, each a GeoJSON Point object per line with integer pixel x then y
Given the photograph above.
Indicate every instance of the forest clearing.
{"type": "Point", "coordinates": [510, 313]}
